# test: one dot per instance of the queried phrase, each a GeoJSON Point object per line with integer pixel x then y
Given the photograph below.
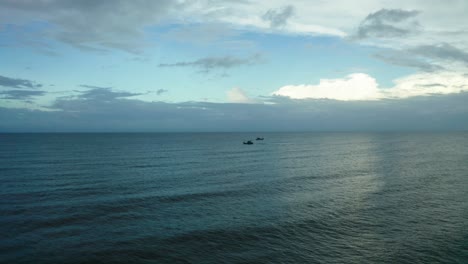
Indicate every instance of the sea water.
{"type": "Point", "coordinates": [207, 198]}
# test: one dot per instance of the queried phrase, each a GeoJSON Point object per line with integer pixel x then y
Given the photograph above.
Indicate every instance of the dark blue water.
{"type": "Point", "coordinates": [207, 198]}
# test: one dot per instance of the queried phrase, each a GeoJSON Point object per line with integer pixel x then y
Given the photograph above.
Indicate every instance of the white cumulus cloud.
{"type": "Point", "coordinates": [361, 86]}
{"type": "Point", "coordinates": [422, 84]}
{"type": "Point", "coordinates": [357, 86]}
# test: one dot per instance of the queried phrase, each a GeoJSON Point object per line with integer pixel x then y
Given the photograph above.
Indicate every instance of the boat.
{"type": "Point", "coordinates": [248, 142]}
{"type": "Point", "coordinates": [259, 138]}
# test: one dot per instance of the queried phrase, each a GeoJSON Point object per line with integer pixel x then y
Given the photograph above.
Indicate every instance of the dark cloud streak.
{"type": "Point", "coordinates": [24, 95]}
{"type": "Point", "coordinates": [18, 83]}
{"type": "Point", "coordinates": [103, 94]}
{"type": "Point", "coordinates": [93, 86]}
{"type": "Point", "coordinates": [213, 63]}
{"type": "Point", "coordinates": [161, 91]}
{"type": "Point", "coordinates": [442, 51]}
{"type": "Point", "coordinates": [279, 17]}
{"type": "Point", "coordinates": [406, 59]}
{"type": "Point", "coordinates": [388, 23]}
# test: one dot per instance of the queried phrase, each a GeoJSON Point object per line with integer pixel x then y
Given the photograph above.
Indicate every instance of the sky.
{"type": "Point", "coordinates": [206, 65]}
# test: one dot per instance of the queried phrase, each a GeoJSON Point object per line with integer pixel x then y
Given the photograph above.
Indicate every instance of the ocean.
{"type": "Point", "coordinates": [208, 198]}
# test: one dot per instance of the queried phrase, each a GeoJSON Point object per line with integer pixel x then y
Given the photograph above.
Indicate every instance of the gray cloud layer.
{"type": "Point", "coordinates": [92, 25]}
{"type": "Point", "coordinates": [108, 110]}
{"type": "Point", "coordinates": [213, 63]}
{"type": "Point", "coordinates": [388, 23]}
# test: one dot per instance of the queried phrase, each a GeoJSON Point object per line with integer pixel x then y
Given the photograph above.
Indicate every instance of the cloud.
{"type": "Point", "coordinates": [33, 37]}
{"type": "Point", "coordinates": [131, 115]}
{"type": "Point", "coordinates": [18, 83]}
{"type": "Point", "coordinates": [93, 86]}
{"type": "Point", "coordinates": [407, 59]}
{"type": "Point", "coordinates": [427, 84]}
{"type": "Point", "coordinates": [427, 37]}
{"type": "Point", "coordinates": [442, 51]}
{"type": "Point", "coordinates": [91, 25]}
{"type": "Point", "coordinates": [102, 25]}
{"type": "Point", "coordinates": [103, 94]}
{"type": "Point", "coordinates": [209, 64]}
{"type": "Point", "coordinates": [360, 86]}
{"type": "Point", "coordinates": [161, 91]}
{"type": "Point", "coordinates": [24, 95]}
{"type": "Point", "coordinates": [388, 23]}
{"type": "Point", "coordinates": [308, 19]}
{"type": "Point", "coordinates": [237, 95]}
{"type": "Point", "coordinates": [279, 17]}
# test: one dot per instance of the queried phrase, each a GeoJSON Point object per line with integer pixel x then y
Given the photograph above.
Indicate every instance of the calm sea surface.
{"type": "Point", "coordinates": [207, 198]}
